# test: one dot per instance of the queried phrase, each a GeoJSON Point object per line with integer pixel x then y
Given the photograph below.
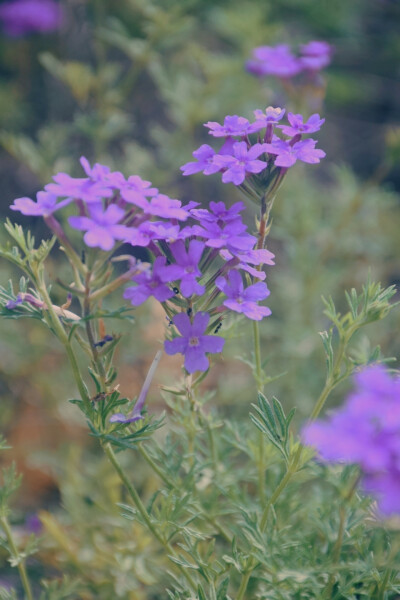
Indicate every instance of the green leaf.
{"type": "Point", "coordinates": [222, 589]}
{"type": "Point", "coordinates": [273, 422]}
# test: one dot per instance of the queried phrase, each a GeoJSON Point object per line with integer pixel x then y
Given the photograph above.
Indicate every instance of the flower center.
{"type": "Point", "coordinates": [193, 341]}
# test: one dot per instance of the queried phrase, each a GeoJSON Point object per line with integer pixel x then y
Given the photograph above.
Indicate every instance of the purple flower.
{"type": "Point", "coordinates": [46, 204]}
{"type": "Point", "coordinates": [241, 299]}
{"type": "Point", "coordinates": [142, 235]}
{"type": "Point", "coordinates": [78, 188]}
{"type": "Point", "coordinates": [23, 297]}
{"type": "Point", "coordinates": [218, 213]}
{"type": "Point", "coordinates": [102, 227]}
{"type": "Point", "coordinates": [243, 260]}
{"type": "Point", "coordinates": [33, 524]}
{"type": "Point", "coordinates": [162, 206]}
{"type": "Point", "coordinates": [297, 126]}
{"type": "Point", "coordinates": [241, 162]}
{"type": "Point", "coordinates": [274, 60]}
{"type": "Point", "coordinates": [232, 235]}
{"type": "Point", "coordinates": [233, 126]}
{"type": "Point", "coordinates": [187, 266]}
{"type": "Point", "coordinates": [366, 430]}
{"type": "Point", "coordinates": [288, 154]}
{"type": "Point", "coordinates": [25, 16]}
{"type": "Point", "coordinates": [194, 344]}
{"type": "Point", "coordinates": [135, 190]}
{"type": "Point", "coordinates": [315, 55]}
{"type": "Point", "coordinates": [11, 304]}
{"type": "Point", "coordinates": [152, 282]}
{"type": "Point", "coordinates": [149, 231]}
{"type": "Point", "coordinates": [171, 233]}
{"type": "Point", "coordinates": [270, 117]}
{"type": "Point", "coordinates": [204, 156]}
{"type": "Point", "coordinates": [102, 174]}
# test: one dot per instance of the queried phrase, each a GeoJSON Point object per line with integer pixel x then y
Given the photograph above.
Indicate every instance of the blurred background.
{"type": "Point", "coordinates": [130, 84]}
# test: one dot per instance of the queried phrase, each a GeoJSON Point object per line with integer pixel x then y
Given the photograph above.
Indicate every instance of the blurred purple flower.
{"type": "Point", "coordinates": [11, 304]}
{"type": "Point", "coordinates": [315, 55]}
{"type": "Point", "coordinates": [78, 188]}
{"type": "Point", "coordinates": [266, 118]}
{"type": "Point", "coordinates": [274, 60]}
{"type": "Point", "coordinates": [33, 524]}
{"type": "Point", "coordinates": [296, 126]}
{"type": "Point", "coordinates": [142, 235]}
{"type": "Point", "coordinates": [103, 175]}
{"type": "Point", "coordinates": [241, 162]}
{"type": "Point", "coordinates": [102, 226]}
{"type": "Point", "coordinates": [46, 204]}
{"type": "Point", "coordinates": [233, 126]}
{"type": "Point", "coordinates": [288, 154]}
{"type": "Point", "coordinates": [24, 297]}
{"type": "Point", "coordinates": [21, 17]}
{"type": "Point", "coordinates": [366, 430]}
{"type": "Point", "coordinates": [194, 344]}
{"type": "Point", "coordinates": [241, 299]}
{"type": "Point", "coordinates": [135, 189]}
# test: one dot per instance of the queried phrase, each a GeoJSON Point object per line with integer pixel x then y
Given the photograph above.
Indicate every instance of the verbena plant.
{"type": "Point", "coordinates": [242, 509]}
{"type": "Point", "coordinates": [211, 507]}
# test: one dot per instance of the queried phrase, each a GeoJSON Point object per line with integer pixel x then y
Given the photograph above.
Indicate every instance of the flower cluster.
{"type": "Point", "coordinates": [366, 431]}
{"type": "Point", "coordinates": [251, 163]}
{"type": "Point", "coordinates": [203, 261]}
{"type": "Point", "coordinates": [21, 17]}
{"type": "Point", "coordinates": [279, 61]}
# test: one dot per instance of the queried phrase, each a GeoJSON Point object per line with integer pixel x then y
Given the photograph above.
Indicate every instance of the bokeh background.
{"type": "Point", "coordinates": [130, 84]}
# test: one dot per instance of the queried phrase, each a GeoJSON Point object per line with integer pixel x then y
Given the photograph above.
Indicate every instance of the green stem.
{"type": "Point", "coordinates": [336, 552]}
{"type": "Point", "coordinates": [328, 387]}
{"type": "Point", "coordinates": [16, 556]}
{"type": "Point", "coordinates": [243, 585]}
{"type": "Point", "coordinates": [283, 483]}
{"type": "Point", "coordinates": [384, 582]}
{"type": "Point", "coordinates": [89, 333]}
{"type": "Point", "coordinates": [77, 375]}
{"type": "Point", "coordinates": [257, 355]}
{"type": "Point", "coordinates": [213, 447]}
{"type": "Point", "coordinates": [339, 540]}
{"type": "Point", "coordinates": [60, 332]}
{"type": "Point", "coordinates": [261, 441]}
{"type": "Point", "coordinates": [143, 512]}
